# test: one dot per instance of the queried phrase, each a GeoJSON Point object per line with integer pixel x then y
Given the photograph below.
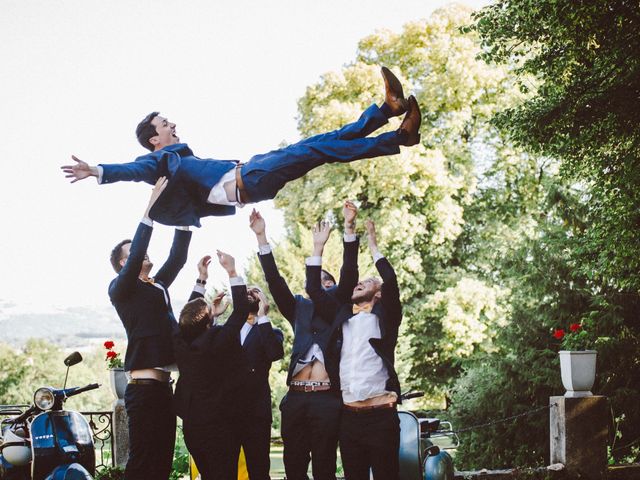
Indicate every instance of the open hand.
{"type": "Point", "coordinates": [371, 234]}
{"type": "Point", "coordinates": [219, 305]}
{"type": "Point", "coordinates": [227, 262]}
{"type": "Point", "coordinates": [79, 171]}
{"type": "Point", "coordinates": [321, 232]}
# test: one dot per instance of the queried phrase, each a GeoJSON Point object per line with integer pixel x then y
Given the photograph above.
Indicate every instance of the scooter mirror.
{"type": "Point", "coordinates": [73, 359]}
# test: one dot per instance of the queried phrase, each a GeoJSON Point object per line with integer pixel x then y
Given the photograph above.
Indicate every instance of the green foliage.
{"type": "Point", "coordinates": [110, 473]}
{"type": "Point", "coordinates": [40, 363]}
{"type": "Point", "coordinates": [586, 110]}
{"type": "Point", "coordinates": [180, 466]}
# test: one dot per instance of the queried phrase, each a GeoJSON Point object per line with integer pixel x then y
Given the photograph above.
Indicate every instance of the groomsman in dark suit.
{"type": "Point", "coordinates": [261, 345]}
{"type": "Point", "coordinates": [144, 307]}
{"type": "Point", "coordinates": [201, 187]}
{"type": "Point", "coordinates": [312, 407]}
{"type": "Point", "coordinates": [209, 393]}
{"type": "Point", "coordinates": [366, 335]}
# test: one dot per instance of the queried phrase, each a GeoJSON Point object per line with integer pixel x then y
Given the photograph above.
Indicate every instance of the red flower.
{"type": "Point", "coordinates": [558, 333]}
{"type": "Point", "coordinates": [111, 354]}
{"type": "Point", "coordinates": [109, 344]}
{"type": "Point", "coordinates": [574, 327]}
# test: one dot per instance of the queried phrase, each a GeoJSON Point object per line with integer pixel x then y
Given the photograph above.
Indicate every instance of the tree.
{"type": "Point", "coordinates": [585, 111]}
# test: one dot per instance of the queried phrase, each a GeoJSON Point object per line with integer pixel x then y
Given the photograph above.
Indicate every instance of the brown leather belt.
{"type": "Point", "coordinates": [368, 408]}
{"type": "Point", "coordinates": [242, 193]}
{"type": "Point", "coordinates": [148, 381]}
{"type": "Point", "coordinates": [309, 387]}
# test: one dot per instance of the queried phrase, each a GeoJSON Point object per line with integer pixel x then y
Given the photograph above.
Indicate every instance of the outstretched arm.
{"type": "Point", "coordinates": [127, 277]}
{"type": "Point", "coordinates": [238, 294]}
{"type": "Point", "coordinates": [271, 338]}
{"type": "Point", "coordinates": [325, 303]}
{"type": "Point", "coordinates": [177, 257]}
{"type": "Point", "coordinates": [349, 271]}
{"type": "Point", "coordinates": [390, 289]}
{"type": "Point", "coordinates": [144, 169]}
{"type": "Point", "coordinates": [278, 287]}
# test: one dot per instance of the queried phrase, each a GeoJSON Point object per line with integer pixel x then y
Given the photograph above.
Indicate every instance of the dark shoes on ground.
{"type": "Point", "coordinates": [409, 130]}
{"type": "Point", "coordinates": [393, 96]}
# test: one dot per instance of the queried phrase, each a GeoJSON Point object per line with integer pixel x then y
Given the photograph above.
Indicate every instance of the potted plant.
{"type": "Point", "coordinates": [577, 360]}
{"type": "Point", "coordinates": [117, 375]}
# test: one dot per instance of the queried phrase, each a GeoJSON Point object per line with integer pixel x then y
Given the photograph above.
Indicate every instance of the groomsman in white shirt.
{"type": "Point", "coordinates": [366, 336]}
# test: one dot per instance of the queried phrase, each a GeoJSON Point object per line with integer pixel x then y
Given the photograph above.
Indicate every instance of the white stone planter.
{"type": "Point", "coordinates": [118, 380]}
{"type": "Point", "coordinates": [578, 369]}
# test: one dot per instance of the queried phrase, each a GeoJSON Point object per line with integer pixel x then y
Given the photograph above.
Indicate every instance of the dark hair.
{"type": "Point", "coordinates": [116, 255]}
{"type": "Point", "coordinates": [144, 131]}
{"type": "Point", "coordinates": [324, 275]}
{"type": "Point", "coordinates": [193, 318]}
{"type": "Point", "coordinates": [254, 303]}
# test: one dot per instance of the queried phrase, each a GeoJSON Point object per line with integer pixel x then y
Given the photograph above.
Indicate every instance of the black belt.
{"type": "Point", "coordinates": [148, 381]}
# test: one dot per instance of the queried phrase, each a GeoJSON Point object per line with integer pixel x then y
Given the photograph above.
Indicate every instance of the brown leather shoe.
{"type": "Point", "coordinates": [393, 95]}
{"type": "Point", "coordinates": [410, 126]}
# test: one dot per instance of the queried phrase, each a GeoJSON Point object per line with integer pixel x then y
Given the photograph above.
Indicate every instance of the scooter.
{"type": "Point", "coordinates": [420, 457]}
{"type": "Point", "coordinates": [46, 442]}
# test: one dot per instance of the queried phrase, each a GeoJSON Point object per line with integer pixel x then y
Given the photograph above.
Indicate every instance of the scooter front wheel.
{"type": "Point", "coordinates": [75, 471]}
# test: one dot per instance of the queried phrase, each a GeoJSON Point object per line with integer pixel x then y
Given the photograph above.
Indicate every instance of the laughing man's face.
{"type": "Point", "coordinates": [166, 133]}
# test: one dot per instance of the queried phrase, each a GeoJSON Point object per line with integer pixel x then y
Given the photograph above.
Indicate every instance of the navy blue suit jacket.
{"type": "Point", "coordinates": [142, 308]}
{"type": "Point", "coordinates": [308, 325]}
{"type": "Point", "coordinates": [388, 309]}
{"type": "Point", "coordinates": [262, 346]}
{"type": "Point", "coordinates": [184, 200]}
{"type": "Point", "coordinates": [210, 386]}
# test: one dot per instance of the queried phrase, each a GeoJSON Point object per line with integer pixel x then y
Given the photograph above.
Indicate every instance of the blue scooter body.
{"type": "Point", "coordinates": [60, 439]}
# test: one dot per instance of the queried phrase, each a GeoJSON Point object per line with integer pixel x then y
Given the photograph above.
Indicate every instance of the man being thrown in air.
{"type": "Point", "coordinates": [202, 187]}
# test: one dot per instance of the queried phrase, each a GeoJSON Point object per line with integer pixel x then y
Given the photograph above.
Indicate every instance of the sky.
{"type": "Point", "coordinates": [76, 76]}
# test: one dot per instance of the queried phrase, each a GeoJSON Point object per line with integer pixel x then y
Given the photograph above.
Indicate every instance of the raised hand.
{"type": "Point", "coordinates": [263, 306]}
{"type": "Point", "coordinates": [80, 170]}
{"type": "Point", "coordinates": [320, 232]}
{"type": "Point", "coordinates": [227, 262]}
{"type": "Point", "coordinates": [219, 306]}
{"type": "Point", "coordinates": [349, 212]}
{"type": "Point", "coordinates": [371, 235]}
{"type": "Point", "coordinates": [157, 190]}
{"type": "Point", "coordinates": [203, 267]}
{"type": "Point", "coordinates": [257, 223]}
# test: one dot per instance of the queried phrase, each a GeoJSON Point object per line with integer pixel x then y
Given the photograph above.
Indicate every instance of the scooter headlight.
{"type": "Point", "coordinates": [44, 398]}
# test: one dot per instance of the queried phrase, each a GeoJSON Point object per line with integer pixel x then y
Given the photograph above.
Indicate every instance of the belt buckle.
{"type": "Point", "coordinates": [309, 388]}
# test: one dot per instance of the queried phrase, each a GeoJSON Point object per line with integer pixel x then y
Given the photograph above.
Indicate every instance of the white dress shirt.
{"type": "Point", "coordinates": [246, 328]}
{"type": "Point", "coordinates": [362, 373]}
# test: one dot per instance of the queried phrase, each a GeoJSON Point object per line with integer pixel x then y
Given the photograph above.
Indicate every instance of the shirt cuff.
{"type": "Point", "coordinates": [99, 177]}
{"type": "Point", "coordinates": [264, 249]}
{"type": "Point", "coordinates": [350, 237]}
{"type": "Point", "coordinates": [199, 288]}
{"type": "Point", "coordinates": [377, 257]}
{"type": "Point", "coordinates": [236, 281]}
{"type": "Point", "coordinates": [262, 319]}
{"type": "Point", "coordinates": [147, 221]}
{"type": "Point", "coordinates": [314, 261]}
{"type": "Point", "coordinates": [184, 229]}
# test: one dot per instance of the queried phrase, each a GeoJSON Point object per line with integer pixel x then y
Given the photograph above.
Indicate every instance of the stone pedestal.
{"type": "Point", "coordinates": [579, 433]}
{"type": "Point", "coordinates": [120, 433]}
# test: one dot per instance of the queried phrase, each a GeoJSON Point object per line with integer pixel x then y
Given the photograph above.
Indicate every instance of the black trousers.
{"type": "Point", "coordinates": [310, 423]}
{"type": "Point", "coordinates": [212, 443]}
{"type": "Point", "coordinates": [152, 431]}
{"type": "Point", "coordinates": [254, 435]}
{"type": "Point", "coordinates": [370, 440]}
